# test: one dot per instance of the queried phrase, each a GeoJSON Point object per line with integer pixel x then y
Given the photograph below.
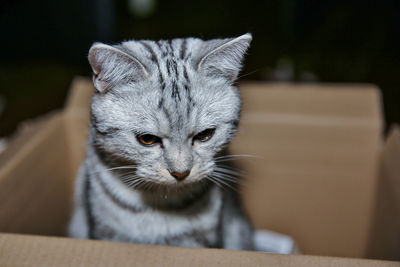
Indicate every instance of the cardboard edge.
{"type": "Point", "coordinates": [308, 85]}
{"type": "Point", "coordinates": [384, 241]}
{"type": "Point", "coordinates": [79, 87]}
{"type": "Point", "coordinates": [18, 250]}
{"type": "Point", "coordinates": [18, 148]}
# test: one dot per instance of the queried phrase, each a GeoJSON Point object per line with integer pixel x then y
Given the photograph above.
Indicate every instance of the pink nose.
{"type": "Point", "coordinates": [180, 175]}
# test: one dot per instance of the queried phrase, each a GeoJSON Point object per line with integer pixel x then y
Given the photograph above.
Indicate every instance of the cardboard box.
{"type": "Point", "coordinates": [322, 175]}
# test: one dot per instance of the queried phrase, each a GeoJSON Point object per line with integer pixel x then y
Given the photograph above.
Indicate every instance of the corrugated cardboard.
{"type": "Point", "coordinates": [385, 240]}
{"type": "Point", "coordinates": [319, 149]}
{"type": "Point", "coordinates": [51, 251]}
{"type": "Point", "coordinates": [316, 177]}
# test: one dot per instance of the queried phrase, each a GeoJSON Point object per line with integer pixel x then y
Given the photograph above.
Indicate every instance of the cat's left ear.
{"type": "Point", "coordinates": [112, 66]}
{"type": "Point", "coordinates": [223, 57]}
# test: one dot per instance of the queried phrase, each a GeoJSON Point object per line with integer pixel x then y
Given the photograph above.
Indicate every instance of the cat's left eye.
{"type": "Point", "coordinates": [148, 139]}
{"type": "Point", "coordinates": [205, 135]}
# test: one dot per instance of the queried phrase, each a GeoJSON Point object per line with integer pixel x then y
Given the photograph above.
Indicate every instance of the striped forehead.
{"type": "Point", "coordinates": [171, 64]}
{"type": "Point", "coordinates": [171, 68]}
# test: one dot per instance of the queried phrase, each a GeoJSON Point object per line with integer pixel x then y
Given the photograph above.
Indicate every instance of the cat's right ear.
{"type": "Point", "coordinates": [112, 67]}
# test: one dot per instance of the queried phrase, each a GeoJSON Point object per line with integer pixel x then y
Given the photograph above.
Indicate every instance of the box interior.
{"type": "Point", "coordinates": [315, 175]}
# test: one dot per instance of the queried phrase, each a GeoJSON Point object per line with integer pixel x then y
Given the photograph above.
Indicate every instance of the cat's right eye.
{"type": "Point", "coordinates": [148, 139]}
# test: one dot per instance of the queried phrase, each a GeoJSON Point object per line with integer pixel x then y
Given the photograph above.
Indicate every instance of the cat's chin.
{"type": "Point", "coordinates": [168, 187]}
{"type": "Point", "coordinates": [174, 196]}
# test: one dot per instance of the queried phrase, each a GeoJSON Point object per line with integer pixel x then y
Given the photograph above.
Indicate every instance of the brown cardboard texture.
{"type": "Point", "coordinates": [52, 251]}
{"type": "Point", "coordinates": [318, 176]}
{"type": "Point", "coordinates": [386, 231]}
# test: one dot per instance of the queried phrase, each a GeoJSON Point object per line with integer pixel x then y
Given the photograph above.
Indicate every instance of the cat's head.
{"type": "Point", "coordinates": [167, 107]}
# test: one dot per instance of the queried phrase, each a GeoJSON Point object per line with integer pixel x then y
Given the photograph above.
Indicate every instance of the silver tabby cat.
{"type": "Point", "coordinates": [161, 115]}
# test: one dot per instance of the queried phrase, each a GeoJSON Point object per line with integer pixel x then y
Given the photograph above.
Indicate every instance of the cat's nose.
{"type": "Point", "coordinates": [180, 175]}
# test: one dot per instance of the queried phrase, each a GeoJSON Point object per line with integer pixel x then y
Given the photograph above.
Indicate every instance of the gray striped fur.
{"type": "Point", "coordinates": [172, 89]}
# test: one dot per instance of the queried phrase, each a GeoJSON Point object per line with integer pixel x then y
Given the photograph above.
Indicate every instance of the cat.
{"type": "Point", "coordinates": [161, 117]}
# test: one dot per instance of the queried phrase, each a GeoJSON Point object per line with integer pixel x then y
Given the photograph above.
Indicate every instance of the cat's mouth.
{"type": "Point", "coordinates": [163, 182]}
{"type": "Point", "coordinates": [154, 186]}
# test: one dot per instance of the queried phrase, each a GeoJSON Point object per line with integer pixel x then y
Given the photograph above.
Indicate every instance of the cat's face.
{"type": "Point", "coordinates": [166, 108]}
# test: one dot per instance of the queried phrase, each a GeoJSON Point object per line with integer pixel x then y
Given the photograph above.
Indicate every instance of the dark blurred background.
{"type": "Point", "coordinates": [44, 43]}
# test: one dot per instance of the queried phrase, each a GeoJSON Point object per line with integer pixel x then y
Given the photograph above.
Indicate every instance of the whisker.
{"type": "Point", "coordinates": [214, 181]}
{"type": "Point", "coordinates": [232, 172]}
{"type": "Point", "coordinates": [225, 183]}
{"type": "Point", "coordinates": [233, 157]}
{"type": "Point", "coordinates": [128, 175]}
{"type": "Point", "coordinates": [136, 183]}
{"type": "Point", "coordinates": [114, 168]}
{"type": "Point", "coordinates": [147, 185]}
{"type": "Point", "coordinates": [229, 178]}
{"type": "Point", "coordinates": [131, 182]}
{"type": "Point", "coordinates": [122, 167]}
{"type": "Point", "coordinates": [128, 180]}
{"type": "Point", "coordinates": [249, 73]}
{"type": "Point", "coordinates": [230, 167]}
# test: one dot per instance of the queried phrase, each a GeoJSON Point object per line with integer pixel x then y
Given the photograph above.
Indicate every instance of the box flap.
{"type": "Point", "coordinates": [26, 131]}
{"type": "Point", "coordinates": [35, 183]}
{"type": "Point", "coordinates": [385, 241]}
{"type": "Point", "coordinates": [38, 168]}
{"type": "Point", "coordinates": [315, 175]}
{"type": "Point", "coordinates": [316, 103]}
{"type": "Point", "coordinates": [79, 95]}
{"type": "Point", "coordinates": [19, 250]}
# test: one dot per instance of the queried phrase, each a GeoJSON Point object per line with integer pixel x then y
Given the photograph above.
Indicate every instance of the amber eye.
{"type": "Point", "coordinates": [148, 139]}
{"type": "Point", "coordinates": [205, 135]}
